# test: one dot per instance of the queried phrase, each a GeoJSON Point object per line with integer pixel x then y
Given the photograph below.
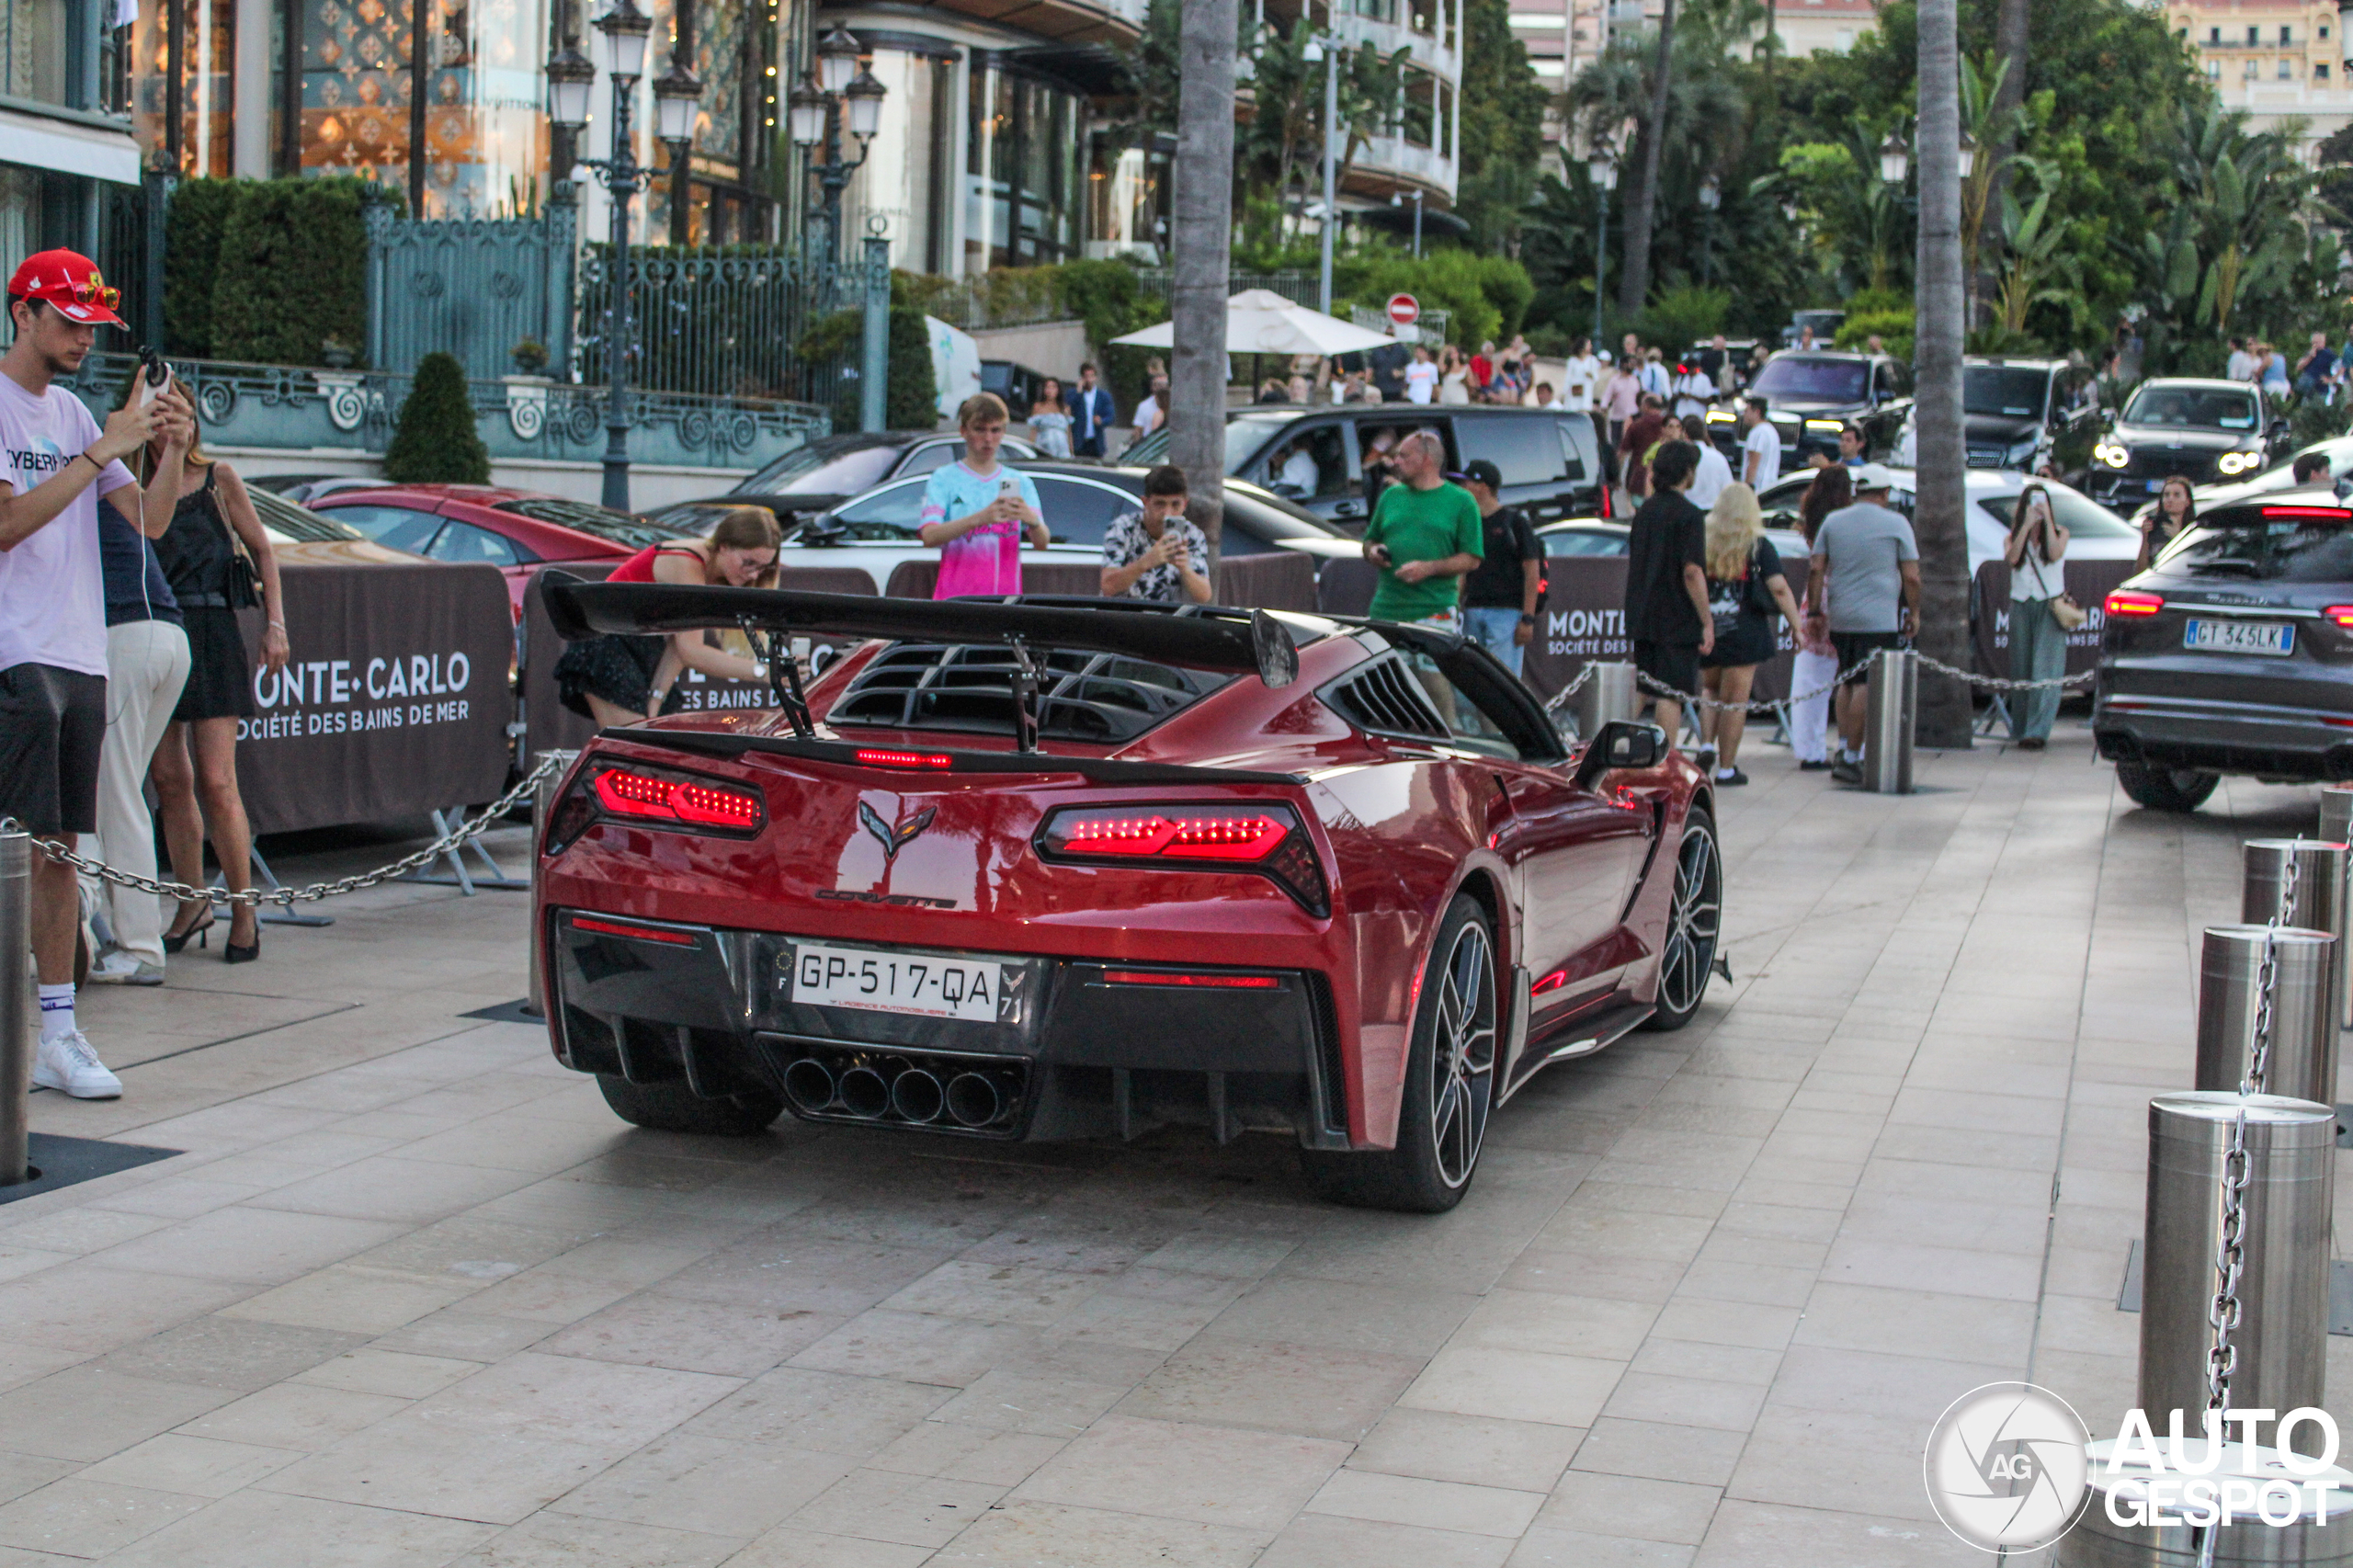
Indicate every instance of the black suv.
{"type": "Point", "coordinates": [2013, 410]}
{"type": "Point", "coordinates": [1810, 392]}
{"type": "Point", "coordinates": [2233, 654]}
{"type": "Point", "coordinates": [2202, 430]}
{"type": "Point", "coordinates": [1550, 461]}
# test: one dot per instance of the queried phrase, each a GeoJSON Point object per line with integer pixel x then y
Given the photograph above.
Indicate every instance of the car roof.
{"type": "Point", "coordinates": [1857, 354]}
{"type": "Point", "coordinates": [478, 494]}
{"type": "Point", "coordinates": [2213, 384]}
{"type": "Point", "coordinates": [2000, 361]}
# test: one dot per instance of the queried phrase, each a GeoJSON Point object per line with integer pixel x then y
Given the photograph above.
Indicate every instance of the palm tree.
{"type": "Point", "coordinates": [1634, 276]}
{"type": "Point", "coordinates": [1939, 485]}
{"type": "Point", "coordinates": [1202, 236]}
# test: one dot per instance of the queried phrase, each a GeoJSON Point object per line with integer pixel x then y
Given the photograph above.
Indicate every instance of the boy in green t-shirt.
{"type": "Point", "coordinates": [1425, 536]}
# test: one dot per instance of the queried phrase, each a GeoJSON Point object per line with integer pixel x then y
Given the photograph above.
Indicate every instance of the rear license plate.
{"type": "Point", "coordinates": [883, 982]}
{"type": "Point", "coordinates": [2274, 638]}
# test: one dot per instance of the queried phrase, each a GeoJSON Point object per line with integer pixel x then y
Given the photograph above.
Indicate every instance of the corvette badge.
{"type": "Point", "coordinates": [894, 838]}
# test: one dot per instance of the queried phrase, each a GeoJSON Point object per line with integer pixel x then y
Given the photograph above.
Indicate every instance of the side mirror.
{"type": "Point", "coordinates": [1622, 744]}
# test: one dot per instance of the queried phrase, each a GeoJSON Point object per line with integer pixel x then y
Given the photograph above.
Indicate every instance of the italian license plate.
{"type": "Point", "coordinates": [883, 982]}
{"type": "Point", "coordinates": [2274, 638]}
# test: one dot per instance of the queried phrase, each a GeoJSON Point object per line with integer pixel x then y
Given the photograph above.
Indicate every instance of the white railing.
{"type": "Point", "coordinates": [1395, 156]}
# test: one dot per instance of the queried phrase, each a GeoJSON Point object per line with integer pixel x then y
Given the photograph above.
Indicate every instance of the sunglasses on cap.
{"type": "Point", "coordinates": [95, 290]}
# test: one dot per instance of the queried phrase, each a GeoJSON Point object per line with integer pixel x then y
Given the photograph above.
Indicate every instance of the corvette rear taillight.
{"type": "Point", "coordinates": [2341, 614]}
{"type": "Point", "coordinates": [932, 759]}
{"type": "Point", "coordinates": [646, 795]}
{"type": "Point", "coordinates": [2126, 604]}
{"type": "Point", "coordinates": [1266, 839]}
{"type": "Point", "coordinates": [1205, 982]}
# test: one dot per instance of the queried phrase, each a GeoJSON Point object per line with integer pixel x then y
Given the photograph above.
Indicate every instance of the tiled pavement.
{"type": "Point", "coordinates": [413, 1296]}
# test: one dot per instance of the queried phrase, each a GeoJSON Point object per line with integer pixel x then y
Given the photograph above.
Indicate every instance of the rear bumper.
{"type": "Point", "coordinates": [2224, 736]}
{"type": "Point", "coordinates": [1073, 1052]}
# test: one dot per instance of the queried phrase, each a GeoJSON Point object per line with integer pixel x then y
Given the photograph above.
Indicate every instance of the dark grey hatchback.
{"type": "Point", "coordinates": [2233, 654]}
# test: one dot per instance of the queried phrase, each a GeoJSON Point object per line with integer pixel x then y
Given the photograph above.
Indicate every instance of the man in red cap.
{"type": "Point", "coordinates": [56, 466]}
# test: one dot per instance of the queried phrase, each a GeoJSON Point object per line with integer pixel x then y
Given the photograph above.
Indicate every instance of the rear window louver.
{"type": "Point", "coordinates": [1101, 698]}
{"type": "Point", "coordinates": [1385, 699]}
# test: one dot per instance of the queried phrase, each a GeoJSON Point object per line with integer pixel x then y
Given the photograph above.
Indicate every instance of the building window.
{"type": "Point", "coordinates": [2286, 71]}
{"type": "Point", "coordinates": [2254, 35]}
{"type": "Point", "coordinates": [2214, 35]}
{"type": "Point", "coordinates": [2323, 33]}
{"type": "Point", "coordinates": [2320, 72]}
{"type": "Point", "coordinates": [1844, 41]}
{"type": "Point", "coordinates": [2249, 72]}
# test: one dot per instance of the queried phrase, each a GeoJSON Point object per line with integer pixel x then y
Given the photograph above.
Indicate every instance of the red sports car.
{"type": "Point", "coordinates": [1039, 868]}
{"type": "Point", "coordinates": [516, 530]}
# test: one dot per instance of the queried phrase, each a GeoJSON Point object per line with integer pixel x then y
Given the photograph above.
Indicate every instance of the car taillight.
{"type": "Point", "coordinates": [906, 759]}
{"type": "Point", "coordinates": [1266, 839]}
{"type": "Point", "coordinates": [2341, 614]}
{"type": "Point", "coordinates": [2126, 603]}
{"type": "Point", "coordinates": [639, 794]}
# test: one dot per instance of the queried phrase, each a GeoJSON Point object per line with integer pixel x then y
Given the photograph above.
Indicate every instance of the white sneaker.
{"type": "Point", "coordinates": [68, 1064]}
{"type": "Point", "coordinates": [118, 967]}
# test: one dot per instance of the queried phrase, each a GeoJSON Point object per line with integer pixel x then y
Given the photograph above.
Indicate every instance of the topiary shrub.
{"type": "Point", "coordinates": [434, 439]}
{"type": "Point", "coordinates": [912, 402]}
{"type": "Point", "coordinates": [292, 271]}
{"type": "Point", "coordinates": [200, 209]}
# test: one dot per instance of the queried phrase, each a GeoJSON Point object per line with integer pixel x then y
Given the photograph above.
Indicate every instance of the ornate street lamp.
{"type": "Point", "coordinates": [845, 95]}
{"type": "Point", "coordinates": [1712, 196]}
{"type": "Point", "coordinates": [625, 30]}
{"type": "Point", "coordinates": [1895, 158]}
{"type": "Point", "coordinates": [1601, 167]}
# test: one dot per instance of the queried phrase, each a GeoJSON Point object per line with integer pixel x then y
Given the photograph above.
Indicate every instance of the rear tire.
{"type": "Point", "coordinates": [2165, 788]}
{"type": "Point", "coordinates": [1450, 1085]}
{"type": "Point", "coordinates": [674, 1107]}
{"type": "Point", "coordinates": [1693, 922]}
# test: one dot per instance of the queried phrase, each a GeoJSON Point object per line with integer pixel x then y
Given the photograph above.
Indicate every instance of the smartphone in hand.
{"type": "Point", "coordinates": [154, 376]}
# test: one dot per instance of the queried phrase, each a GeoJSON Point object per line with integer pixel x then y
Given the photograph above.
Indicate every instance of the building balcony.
{"type": "Point", "coordinates": [1116, 22]}
{"type": "Point", "coordinates": [1429, 47]}
{"type": "Point", "coordinates": [1388, 164]}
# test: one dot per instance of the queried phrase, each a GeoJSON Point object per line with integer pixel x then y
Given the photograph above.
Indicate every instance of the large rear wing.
{"type": "Point", "coordinates": [1234, 641]}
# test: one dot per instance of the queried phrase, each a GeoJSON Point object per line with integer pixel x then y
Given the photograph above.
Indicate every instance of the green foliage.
{"type": "Point", "coordinates": [434, 439]}
{"type": "Point", "coordinates": [1893, 327]}
{"type": "Point", "coordinates": [912, 402]}
{"type": "Point", "coordinates": [200, 209]}
{"type": "Point", "coordinates": [1684, 314]}
{"type": "Point", "coordinates": [1487, 296]}
{"type": "Point", "coordinates": [292, 271]}
{"type": "Point", "coordinates": [2311, 419]}
{"type": "Point", "coordinates": [1503, 129]}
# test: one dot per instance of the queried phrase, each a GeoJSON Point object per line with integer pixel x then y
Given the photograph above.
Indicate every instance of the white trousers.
{"type": "Point", "coordinates": [1810, 720]}
{"type": "Point", "coordinates": [146, 665]}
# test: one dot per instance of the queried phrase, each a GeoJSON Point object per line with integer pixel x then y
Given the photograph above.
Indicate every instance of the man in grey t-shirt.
{"type": "Point", "coordinates": [1868, 565]}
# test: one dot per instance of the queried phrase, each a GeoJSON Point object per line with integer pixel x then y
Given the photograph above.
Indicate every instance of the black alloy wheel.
{"type": "Point", "coordinates": [1692, 923]}
{"type": "Point", "coordinates": [2165, 788]}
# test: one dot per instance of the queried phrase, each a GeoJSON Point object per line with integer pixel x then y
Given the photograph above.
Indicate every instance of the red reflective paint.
{"type": "Point", "coordinates": [1213, 982]}
{"type": "Point", "coordinates": [635, 933]}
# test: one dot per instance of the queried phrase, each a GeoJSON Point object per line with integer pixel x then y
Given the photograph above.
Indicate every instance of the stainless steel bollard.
{"type": "Point", "coordinates": [2321, 868]}
{"type": "Point", "coordinates": [542, 805]}
{"type": "Point", "coordinates": [18, 1014]}
{"type": "Point", "coordinates": [2100, 1541]}
{"type": "Point", "coordinates": [1888, 718]}
{"type": "Point", "coordinates": [2337, 815]}
{"type": "Point", "coordinates": [2301, 1064]}
{"type": "Point", "coordinates": [2282, 1334]}
{"type": "Point", "coordinates": [1609, 693]}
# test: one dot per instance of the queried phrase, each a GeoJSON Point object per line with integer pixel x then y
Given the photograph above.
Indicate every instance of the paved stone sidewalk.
{"type": "Point", "coordinates": [413, 1296]}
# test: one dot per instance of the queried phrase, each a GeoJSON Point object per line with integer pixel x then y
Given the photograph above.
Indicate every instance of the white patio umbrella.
{"type": "Point", "coordinates": [1259, 321]}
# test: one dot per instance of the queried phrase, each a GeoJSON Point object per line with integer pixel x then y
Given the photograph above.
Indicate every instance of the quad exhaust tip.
{"type": "Point", "coordinates": [809, 1085]}
{"type": "Point", "coordinates": [973, 1099]}
{"type": "Point", "coordinates": [865, 1094]}
{"type": "Point", "coordinates": [916, 1096]}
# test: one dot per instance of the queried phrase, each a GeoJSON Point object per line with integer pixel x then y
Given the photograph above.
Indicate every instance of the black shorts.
{"type": "Point", "coordinates": [52, 726]}
{"type": "Point", "coordinates": [1674, 666]}
{"type": "Point", "coordinates": [1856, 647]}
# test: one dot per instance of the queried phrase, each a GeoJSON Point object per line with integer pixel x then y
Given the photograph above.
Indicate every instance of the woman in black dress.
{"type": "Point", "coordinates": [2176, 509]}
{"type": "Point", "coordinates": [1746, 591]}
{"type": "Point", "coordinates": [195, 770]}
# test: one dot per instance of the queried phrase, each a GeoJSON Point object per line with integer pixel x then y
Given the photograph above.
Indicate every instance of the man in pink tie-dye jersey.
{"type": "Point", "coordinates": [977, 511]}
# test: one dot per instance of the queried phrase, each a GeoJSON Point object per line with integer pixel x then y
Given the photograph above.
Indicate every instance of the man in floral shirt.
{"type": "Point", "coordinates": [1157, 553]}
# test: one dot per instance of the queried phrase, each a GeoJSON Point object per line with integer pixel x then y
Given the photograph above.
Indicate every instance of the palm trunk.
{"type": "Point", "coordinates": [1634, 278]}
{"type": "Point", "coordinates": [1937, 522]}
{"type": "Point", "coordinates": [1201, 235]}
{"type": "Point", "coordinates": [2009, 47]}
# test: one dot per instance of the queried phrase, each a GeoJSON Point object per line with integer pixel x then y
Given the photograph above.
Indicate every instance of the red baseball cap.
{"type": "Point", "coordinates": [68, 281]}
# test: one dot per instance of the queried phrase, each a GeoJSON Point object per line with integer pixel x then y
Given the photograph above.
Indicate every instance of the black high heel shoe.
{"type": "Point", "coordinates": [173, 944]}
{"type": "Point", "coordinates": [231, 952]}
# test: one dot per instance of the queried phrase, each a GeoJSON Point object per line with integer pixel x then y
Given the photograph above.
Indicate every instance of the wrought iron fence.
{"type": "Point", "coordinates": [476, 287]}
{"type": "Point", "coordinates": [288, 408]}
{"type": "Point", "coordinates": [726, 321]}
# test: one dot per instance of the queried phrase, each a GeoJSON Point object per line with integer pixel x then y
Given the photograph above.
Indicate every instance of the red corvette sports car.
{"type": "Point", "coordinates": [1041, 869]}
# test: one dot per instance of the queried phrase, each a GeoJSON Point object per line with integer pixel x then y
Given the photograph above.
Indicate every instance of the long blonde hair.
{"type": "Point", "coordinates": [1735, 525]}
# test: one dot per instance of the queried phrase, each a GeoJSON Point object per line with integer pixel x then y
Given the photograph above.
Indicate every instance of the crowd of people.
{"type": "Point", "coordinates": [125, 554]}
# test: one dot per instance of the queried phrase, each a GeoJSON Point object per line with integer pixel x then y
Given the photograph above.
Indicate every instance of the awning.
{"type": "Point", "coordinates": [68, 147]}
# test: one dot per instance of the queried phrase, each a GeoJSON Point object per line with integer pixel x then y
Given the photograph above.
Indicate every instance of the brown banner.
{"type": "Point", "coordinates": [397, 700]}
{"type": "Point", "coordinates": [2088, 582]}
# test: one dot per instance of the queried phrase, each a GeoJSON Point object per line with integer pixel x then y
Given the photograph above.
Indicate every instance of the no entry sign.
{"type": "Point", "coordinates": [1404, 310]}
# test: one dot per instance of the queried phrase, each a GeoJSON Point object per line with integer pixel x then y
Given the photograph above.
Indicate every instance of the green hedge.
{"type": "Point", "coordinates": [434, 439]}
{"type": "Point", "coordinates": [292, 271]}
{"type": "Point", "coordinates": [912, 402]}
{"type": "Point", "coordinates": [200, 208]}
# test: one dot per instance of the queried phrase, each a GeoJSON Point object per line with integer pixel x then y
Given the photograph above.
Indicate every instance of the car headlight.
{"type": "Point", "coordinates": [2111, 454]}
{"type": "Point", "coordinates": [2238, 462]}
{"type": "Point", "coordinates": [1833, 426]}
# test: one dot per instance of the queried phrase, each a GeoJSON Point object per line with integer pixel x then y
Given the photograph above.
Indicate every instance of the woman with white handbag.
{"type": "Point", "coordinates": [2041, 614]}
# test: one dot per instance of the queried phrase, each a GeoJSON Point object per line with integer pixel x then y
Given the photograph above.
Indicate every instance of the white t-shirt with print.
{"type": "Point", "coordinates": [1421, 381]}
{"type": "Point", "coordinates": [52, 595]}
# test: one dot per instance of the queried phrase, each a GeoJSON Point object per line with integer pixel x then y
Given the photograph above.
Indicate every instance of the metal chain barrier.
{"type": "Point", "coordinates": [1996, 683]}
{"type": "Point", "coordinates": [456, 838]}
{"type": "Point", "coordinates": [2224, 1311]}
{"type": "Point", "coordinates": [1569, 690]}
{"type": "Point", "coordinates": [1851, 674]}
